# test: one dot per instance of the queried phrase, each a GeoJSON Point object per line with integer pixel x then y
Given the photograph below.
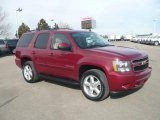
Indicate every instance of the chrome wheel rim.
{"type": "Point", "coordinates": [28, 74]}
{"type": "Point", "coordinates": [92, 86]}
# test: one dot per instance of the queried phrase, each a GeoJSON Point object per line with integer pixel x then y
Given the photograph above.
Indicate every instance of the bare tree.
{"type": "Point", "coordinates": [4, 27]}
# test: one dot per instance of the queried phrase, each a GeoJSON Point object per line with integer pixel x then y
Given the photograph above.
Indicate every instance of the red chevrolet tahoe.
{"type": "Point", "coordinates": [81, 57]}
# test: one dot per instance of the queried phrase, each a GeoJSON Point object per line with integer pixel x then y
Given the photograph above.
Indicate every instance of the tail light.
{"type": "Point", "coordinates": [18, 54]}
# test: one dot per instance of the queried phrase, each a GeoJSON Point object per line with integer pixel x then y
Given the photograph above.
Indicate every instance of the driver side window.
{"type": "Point", "coordinates": [59, 38]}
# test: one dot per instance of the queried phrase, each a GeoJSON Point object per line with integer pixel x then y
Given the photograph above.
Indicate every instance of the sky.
{"type": "Point", "coordinates": [112, 16]}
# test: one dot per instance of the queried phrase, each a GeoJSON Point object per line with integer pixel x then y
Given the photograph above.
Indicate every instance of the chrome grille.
{"type": "Point", "coordinates": [140, 64]}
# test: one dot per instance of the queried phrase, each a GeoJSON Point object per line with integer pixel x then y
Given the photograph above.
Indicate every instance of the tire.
{"type": "Point", "coordinates": [94, 85]}
{"type": "Point", "coordinates": [13, 51]}
{"type": "Point", "coordinates": [156, 43]}
{"type": "Point", "coordinates": [29, 73]}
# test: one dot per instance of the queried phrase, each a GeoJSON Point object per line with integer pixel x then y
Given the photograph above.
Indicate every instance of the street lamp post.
{"type": "Point", "coordinates": [52, 25]}
{"type": "Point", "coordinates": [55, 25]}
{"type": "Point", "coordinates": [18, 10]}
{"type": "Point", "coordinates": [154, 25]}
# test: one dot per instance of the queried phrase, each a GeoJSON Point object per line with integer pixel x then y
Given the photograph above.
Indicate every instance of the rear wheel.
{"type": "Point", "coordinates": [29, 73]}
{"type": "Point", "coordinates": [94, 85]}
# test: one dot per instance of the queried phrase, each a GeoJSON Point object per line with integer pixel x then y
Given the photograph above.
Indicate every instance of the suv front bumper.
{"type": "Point", "coordinates": [127, 81]}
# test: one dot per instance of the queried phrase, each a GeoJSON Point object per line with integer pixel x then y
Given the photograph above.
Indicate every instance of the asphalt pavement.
{"type": "Point", "coordinates": [49, 100]}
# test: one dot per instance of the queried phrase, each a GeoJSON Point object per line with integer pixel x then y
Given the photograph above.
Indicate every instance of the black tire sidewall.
{"type": "Point", "coordinates": [95, 73]}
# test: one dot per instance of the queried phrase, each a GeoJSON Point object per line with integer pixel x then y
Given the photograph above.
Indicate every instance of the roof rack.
{"type": "Point", "coordinates": [32, 30]}
{"type": "Point", "coordinates": [53, 29]}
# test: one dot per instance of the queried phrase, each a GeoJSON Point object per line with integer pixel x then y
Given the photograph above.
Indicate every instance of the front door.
{"type": "Point", "coordinates": [61, 63]}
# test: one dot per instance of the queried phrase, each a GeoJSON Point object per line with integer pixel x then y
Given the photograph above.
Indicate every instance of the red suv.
{"type": "Point", "coordinates": [81, 57]}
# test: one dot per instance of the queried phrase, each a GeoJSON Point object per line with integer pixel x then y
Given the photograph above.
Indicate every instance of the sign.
{"type": "Point", "coordinates": [88, 23]}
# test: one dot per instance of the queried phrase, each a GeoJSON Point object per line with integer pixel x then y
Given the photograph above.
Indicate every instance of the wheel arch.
{"type": "Point", "coordinates": [25, 59]}
{"type": "Point", "coordinates": [86, 67]}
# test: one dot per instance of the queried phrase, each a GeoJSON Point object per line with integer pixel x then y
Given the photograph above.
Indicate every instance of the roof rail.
{"type": "Point", "coordinates": [33, 30]}
{"type": "Point", "coordinates": [52, 29]}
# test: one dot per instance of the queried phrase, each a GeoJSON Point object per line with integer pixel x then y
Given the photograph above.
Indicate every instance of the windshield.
{"type": "Point", "coordinates": [89, 40]}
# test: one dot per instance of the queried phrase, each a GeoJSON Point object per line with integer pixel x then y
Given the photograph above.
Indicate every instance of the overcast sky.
{"type": "Point", "coordinates": [112, 16]}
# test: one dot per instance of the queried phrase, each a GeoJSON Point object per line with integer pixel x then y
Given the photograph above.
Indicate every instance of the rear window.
{"type": "Point", "coordinates": [42, 41]}
{"type": "Point", "coordinates": [25, 40]}
{"type": "Point", "coordinates": [1, 42]}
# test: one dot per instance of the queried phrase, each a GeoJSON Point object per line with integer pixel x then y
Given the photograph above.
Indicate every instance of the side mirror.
{"type": "Point", "coordinates": [64, 46]}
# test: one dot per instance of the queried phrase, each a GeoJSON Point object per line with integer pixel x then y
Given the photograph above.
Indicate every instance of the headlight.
{"type": "Point", "coordinates": [121, 66]}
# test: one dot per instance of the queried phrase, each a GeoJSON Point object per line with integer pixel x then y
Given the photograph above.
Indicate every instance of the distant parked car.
{"type": "Point", "coordinates": [11, 44]}
{"type": "Point", "coordinates": [133, 39]}
{"type": "Point", "coordinates": [144, 40]}
{"type": "Point", "coordinates": [3, 47]}
{"type": "Point", "coordinates": [155, 40]}
{"type": "Point", "coordinates": [149, 39]}
{"type": "Point", "coordinates": [138, 39]}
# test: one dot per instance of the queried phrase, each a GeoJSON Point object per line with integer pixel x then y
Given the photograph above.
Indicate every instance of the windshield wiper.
{"type": "Point", "coordinates": [94, 46]}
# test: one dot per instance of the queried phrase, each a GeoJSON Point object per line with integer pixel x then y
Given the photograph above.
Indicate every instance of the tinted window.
{"type": "Point", "coordinates": [59, 38]}
{"type": "Point", "coordinates": [1, 42]}
{"type": "Point", "coordinates": [12, 42]}
{"type": "Point", "coordinates": [42, 41]}
{"type": "Point", "coordinates": [25, 40]}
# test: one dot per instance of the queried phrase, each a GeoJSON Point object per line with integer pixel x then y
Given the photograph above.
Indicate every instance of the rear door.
{"type": "Point", "coordinates": [39, 52]}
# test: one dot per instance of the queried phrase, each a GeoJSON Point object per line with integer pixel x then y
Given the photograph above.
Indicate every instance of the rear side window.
{"type": "Point", "coordinates": [1, 42]}
{"type": "Point", "coordinates": [42, 41]}
{"type": "Point", "coordinates": [25, 40]}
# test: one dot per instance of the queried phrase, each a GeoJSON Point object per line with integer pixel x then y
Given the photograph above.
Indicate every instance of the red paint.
{"type": "Point", "coordinates": [67, 63]}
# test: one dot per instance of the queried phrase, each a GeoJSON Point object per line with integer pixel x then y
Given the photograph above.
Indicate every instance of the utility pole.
{"type": "Point", "coordinates": [18, 10]}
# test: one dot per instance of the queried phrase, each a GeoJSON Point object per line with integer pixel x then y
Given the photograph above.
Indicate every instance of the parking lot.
{"type": "Point", "coordinates": [48, 100]}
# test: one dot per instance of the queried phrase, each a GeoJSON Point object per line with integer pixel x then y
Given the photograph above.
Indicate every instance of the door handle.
{"type": "Point", "coordinates": [33, 52]}
{"type": "Point", "coordinates": [50, 54]}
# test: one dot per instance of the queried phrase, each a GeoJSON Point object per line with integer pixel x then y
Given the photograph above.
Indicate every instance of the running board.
{"type": "Point", "coordinates": [60, 80]}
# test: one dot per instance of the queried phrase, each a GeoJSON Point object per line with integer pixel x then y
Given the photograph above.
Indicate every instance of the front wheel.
{"type": "Point", "coordinates": [94, 85]}
{"type": "Point", "coordinates": [29, 73]}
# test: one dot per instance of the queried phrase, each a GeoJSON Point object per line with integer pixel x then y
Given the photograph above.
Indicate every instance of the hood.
{"type": "Point", "coordinates": [119, 52]}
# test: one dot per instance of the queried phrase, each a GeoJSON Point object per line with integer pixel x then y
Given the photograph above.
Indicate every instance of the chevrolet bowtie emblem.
{"type": "Point", "coordinates": [144, 62]}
